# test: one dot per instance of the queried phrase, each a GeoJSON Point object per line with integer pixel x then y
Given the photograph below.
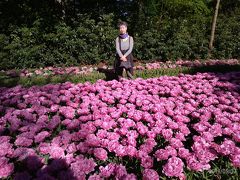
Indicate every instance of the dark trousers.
{"type": "Point", "coordinates": [129, 71]}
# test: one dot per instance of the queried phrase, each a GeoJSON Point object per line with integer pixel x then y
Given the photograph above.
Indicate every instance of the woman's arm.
{"type": "Point", "coordinates": [118, 48]}
{"type": "Point", "coordinates": [130, 48]}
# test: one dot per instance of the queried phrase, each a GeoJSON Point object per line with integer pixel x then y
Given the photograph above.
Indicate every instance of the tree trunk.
{"type": "Point", "coordinates": [62, 5]}
{"type": "Point", "coordinates": [213, 28]}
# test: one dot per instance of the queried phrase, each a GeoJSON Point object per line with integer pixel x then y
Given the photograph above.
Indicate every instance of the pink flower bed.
{"type": "Point", "coordinates": [52, 71]}
{"type": "Point", "coordinates": [75, 70]}
{"type": "Point", "coordinates": [83, 131]}
{"type": "Point", "coordinates": [187, 63]}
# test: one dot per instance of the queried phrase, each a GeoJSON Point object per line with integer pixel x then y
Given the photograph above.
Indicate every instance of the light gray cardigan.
{"type": "Point", "coordinates": [124, 46]}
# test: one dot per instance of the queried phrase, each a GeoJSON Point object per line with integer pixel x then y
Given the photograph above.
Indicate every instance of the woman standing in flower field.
{"type": "Point", "coordinates": [124, 57]}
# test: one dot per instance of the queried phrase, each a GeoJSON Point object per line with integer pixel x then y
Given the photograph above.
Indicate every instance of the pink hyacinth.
{"type": "Point", "coordinates": [6, 169]}
{"type": "Point", "coordinates": [227, 147]}
{"type": "Point", "coordinates": [41, 136]}
{"type": "Point", "coordinates": [92, 140]}
{"type": "Point", "coordinates": [95, 177]}
{"type": "Point", "coordinates": [22, 141]}
{"type": "Point", "coordinates": [6, 148]}
{"type": "Point", "coordinates": [150, 174]}
{"type": "Point", "coordinates": [100, 154]}
{"type": "Point", "coordinates": [173, 167]}
{"type": "Point", "coordinates": [235, 159]}
{"type": "Point", "coordinates": [120, 171]}
{"type": "Point", "coordinates": [67, 111]}
{"type": "Point", "coordinates": [147, 162]}
{"type": "Point", "coordinates": [167, 134]}
{"type": "Point", "coordinates": [84, 166]}
{"type": "Point", "coordinates": [108, 170]}
{"type": "Point", "coordinates": [56, 151]}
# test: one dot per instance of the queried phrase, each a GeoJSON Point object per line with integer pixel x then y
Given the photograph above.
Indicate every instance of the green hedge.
{"type": "Point", "coordinates": [89, 41]}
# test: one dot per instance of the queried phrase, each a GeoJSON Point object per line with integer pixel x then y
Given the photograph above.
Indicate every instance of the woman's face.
{"type": "Point", "coordinates": [122, 29]}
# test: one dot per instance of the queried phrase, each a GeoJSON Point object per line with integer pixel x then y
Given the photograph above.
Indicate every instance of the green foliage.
{"type": "Point", "coordinates": [227, 41]}
{"type": "Point", "coordinates": [87, 42]}
{"type": "Point", "coordinates": [37, 34]}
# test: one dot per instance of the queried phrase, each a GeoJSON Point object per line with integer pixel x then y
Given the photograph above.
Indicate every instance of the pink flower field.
{"type": "Point", "coordinates": [124, 130]}
{"type": "Point", "coordinates": [76, 70]}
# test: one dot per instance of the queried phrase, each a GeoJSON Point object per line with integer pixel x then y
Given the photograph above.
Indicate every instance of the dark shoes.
{"type": "Point", "coordinates": [129, 75]}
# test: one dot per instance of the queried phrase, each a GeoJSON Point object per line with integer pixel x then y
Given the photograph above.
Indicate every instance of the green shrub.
{"type": "Point", "coordinates": [89, 40]}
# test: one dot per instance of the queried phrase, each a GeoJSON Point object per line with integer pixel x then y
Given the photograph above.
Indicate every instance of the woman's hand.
{"type": "Point", "coordinates": [123, 58]}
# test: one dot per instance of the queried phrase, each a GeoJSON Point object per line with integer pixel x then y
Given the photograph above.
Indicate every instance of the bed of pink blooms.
{"type": "Point", "coordinates": [187, 63]}
{"type": "Point", "coordinates": [75, 70]}
{"type": "Point", "coordinates": [80, 128]}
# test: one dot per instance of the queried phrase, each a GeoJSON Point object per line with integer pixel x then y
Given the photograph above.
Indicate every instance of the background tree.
{"type": "Point", "coordinates": [214, 22]}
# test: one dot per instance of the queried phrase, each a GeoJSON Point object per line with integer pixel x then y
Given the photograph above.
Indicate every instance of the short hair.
{"type": "Point", "coordinates": [122, 23]}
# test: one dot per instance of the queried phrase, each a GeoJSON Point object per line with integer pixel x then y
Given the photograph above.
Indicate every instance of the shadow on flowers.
{"type": "Point", "coordinates": [36, 167]}
{"type": "Point", "coordinates": [109, 73]}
